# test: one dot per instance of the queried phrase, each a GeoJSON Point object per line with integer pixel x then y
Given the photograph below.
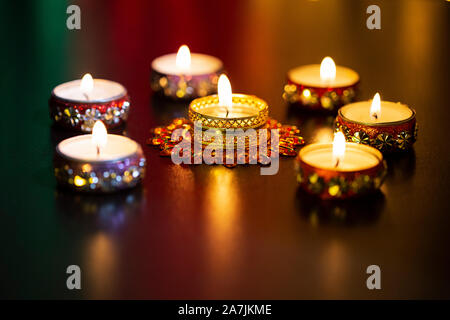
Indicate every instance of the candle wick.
{"type": "Point", "coordinates": [337, 163]}
{"type": "Point", "coordinates": [86, 96]}
{"type": "Point", "coordinates": [226, 115]}
{"type": "Point", "coordinates": [98, 151]}
{"type": "Point", "coordinates": [375, 116]}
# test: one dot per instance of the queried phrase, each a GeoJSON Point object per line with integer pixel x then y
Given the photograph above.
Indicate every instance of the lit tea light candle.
{"type": "Point", "coordinates": [325, 86]}
{"type": "Point", "coordinates": [340, 169]}
{"type": "Point", "coordinates": [228, 110]}
{"type": "Point", "coordinates": [387, 126]}
{"type": "Point", "coordinates": [99, 162]}
{"type": "Point", "coordinates": [185, 75]}
{"type": "Point", "coordinates": [79, 104]}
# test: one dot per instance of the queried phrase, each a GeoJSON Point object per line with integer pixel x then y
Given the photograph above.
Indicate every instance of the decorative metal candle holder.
{"type": "Point", "coordinates": [336, 184]}
{"type": "Point", "coordinates": [184, 86]}
{"type": "Point", "coordinates": [258, 109]}
{"type": "Point", "coordinates": [81, 116]}
{"type": "Point", "coordinates": [315, 98]}
{"type": "Point", "coordinates": [289, 140]}
{"type": "Point", "coordinates": [101, 176]}
{"type": "Point", "coordinates": [386, 137]}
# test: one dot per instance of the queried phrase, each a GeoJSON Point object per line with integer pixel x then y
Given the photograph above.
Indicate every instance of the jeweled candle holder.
{"type": "Point", "coordinates": [314, 98]}
{"type": "Point", "coordinates": [99, 176]}
{"type": "Point", "coordinates": [289, 140]}
{"type": "Point", "coordinates": [184, 87]}
{"type": "Point", "coordinates": [305, 88]}
{"type": "Point", "coordinates": [247, 112]}
{"type": "Point", "coordinates": [81, 115]}
{"type": "Point", "coordinates": [221, 114]}
{"type": "Point", "coordinates": [332, 183]}
{"type": "Point", "coordinates": [196, 76]}
{"type": "Point", "coordinates": [385, 136]}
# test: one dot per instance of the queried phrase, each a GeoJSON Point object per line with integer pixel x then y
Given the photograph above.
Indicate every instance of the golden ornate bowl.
{"type": "Point", "coordinates": [247, 112]}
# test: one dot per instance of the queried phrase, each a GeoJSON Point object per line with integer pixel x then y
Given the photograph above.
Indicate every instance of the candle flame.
{"type": "Point", "coordinates": [99, 135]}
{"type": "Point", "coordinates": [87, 84]}
{"type": "Point", "coordinates": [224, 92]}
{"type": "Point", "coordinates": [375, 108]}
{"type": "Point", "coordinates": [183, 60]}
{"type": "Point", "coordinates": [338, 148]}
{"type": "Point", "coordinates": [327, 69]}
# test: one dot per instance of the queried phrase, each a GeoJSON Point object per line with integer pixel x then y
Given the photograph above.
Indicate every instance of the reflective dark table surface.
{"type": "Point", "coordinates": [208, 231]}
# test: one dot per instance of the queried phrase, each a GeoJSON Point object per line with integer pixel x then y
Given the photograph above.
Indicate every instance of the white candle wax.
{"type": "Point", "coordinates": [200, 64]}
{"type": "Point", "coordinates": [309, 75]}
{"type": "Point", "coordinates": [103, 91]}
{"type": "Point", "coordinates": [81, 148]}
{"type": "Point", "coordinates": [236, 111]}
{"type": "Point", "coordinates": [356, 157]}
{"type": "Point", "coordinates": [390, 112]}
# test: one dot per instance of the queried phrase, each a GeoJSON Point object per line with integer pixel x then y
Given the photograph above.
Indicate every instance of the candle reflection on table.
{"type": "Point", "coordinates": [223, 207]}
{"type": "Point", "coordinates": [360, 211]}
{"type": "Point", "coordinates": [333, 274]}
{"type": "Point", "coordinates": [100, 218]}
{"type": "Point", "coordinates": [101, 271]}
{"type": "Point", "coordinates": [101, 212]}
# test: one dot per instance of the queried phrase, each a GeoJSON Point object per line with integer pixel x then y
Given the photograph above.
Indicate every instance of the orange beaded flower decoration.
{"type": "Point", "coordinates": [289, 141]}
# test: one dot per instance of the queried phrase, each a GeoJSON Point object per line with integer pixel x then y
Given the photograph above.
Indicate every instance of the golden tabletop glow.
{"type": "Point", "coordinates": [375, 107]}
{"type": "Point", "coordinates": [183, 59]}
{"type": "Point", "coordinates": [338, 148]}
{"type": "Point", "coordinates": [327, 69]}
